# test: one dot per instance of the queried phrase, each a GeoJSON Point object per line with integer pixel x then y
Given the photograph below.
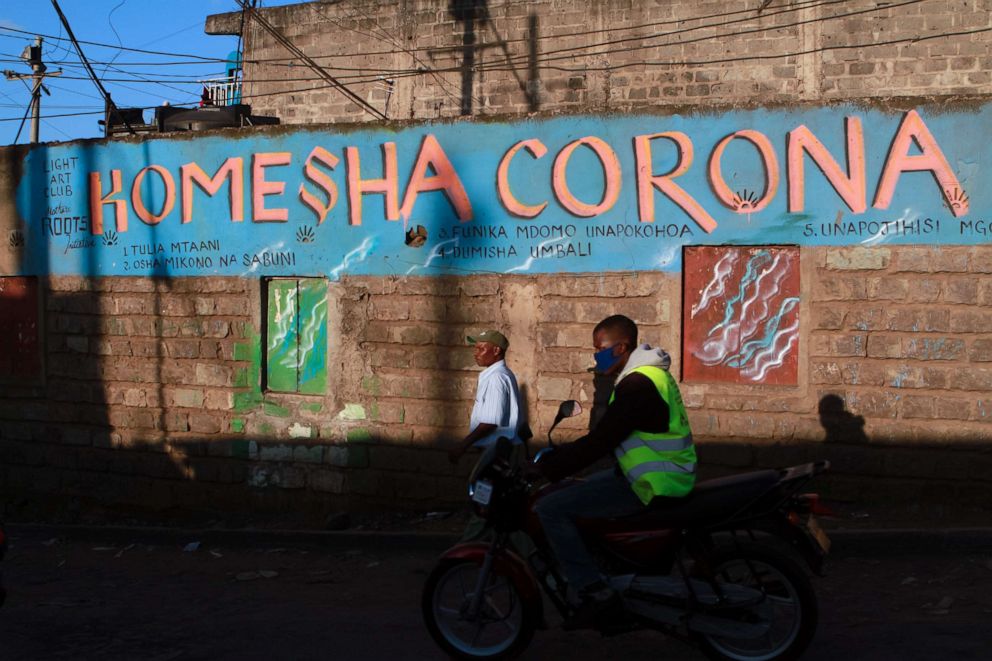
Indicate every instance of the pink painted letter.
{"type": "Point", "coordinates": [850, 186]}
{"type": "Point", "coordinates": [506, 197]}
{"type": "Point", "coordinates": [357, 186]}
{"type": "Point", "coordinates": [729, 197]}
{"type": "Point", "coordinates": [232, 168]}
{"type": "Point", "coordinates": [260, 187]}
{"type": "Point", "coordinates": [98, 199]}
{"type": "Point", "coordinates": [318, 177]}
{"type": "Point", "coordinates": [647, 182]}
{"type": "Point", "coordinates": [931, 159]}
{"type": "Point", "coordinates": [445, 180]}
{"type": "Point", "coordinates": [611, 172]}
{"type": "Point", "coordinates": [140, 210]}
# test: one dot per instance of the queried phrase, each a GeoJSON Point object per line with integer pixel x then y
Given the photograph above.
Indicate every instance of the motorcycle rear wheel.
{"type": "Point", "coordinates": [505, 624]}
{"type": "Point", "coordinates": [792, 604]}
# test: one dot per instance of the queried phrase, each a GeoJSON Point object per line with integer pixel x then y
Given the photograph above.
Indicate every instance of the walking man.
{"type": "Point", "coordinates": [496, 411]}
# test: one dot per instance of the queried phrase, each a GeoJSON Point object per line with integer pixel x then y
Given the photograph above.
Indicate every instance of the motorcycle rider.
{"type": "Point", "coordinates": [646, 427]}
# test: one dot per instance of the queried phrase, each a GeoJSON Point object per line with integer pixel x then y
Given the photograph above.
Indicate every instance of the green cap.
{"type": "Point", "coordinates": [491, 336]}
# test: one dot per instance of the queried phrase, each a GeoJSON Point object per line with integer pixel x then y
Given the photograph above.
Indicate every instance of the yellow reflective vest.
{"type": "Point", "coordinates": [660, 464]}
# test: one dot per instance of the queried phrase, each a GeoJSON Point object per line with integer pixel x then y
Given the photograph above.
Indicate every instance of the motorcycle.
{"type": "Point", "coordinates": [727, 568]}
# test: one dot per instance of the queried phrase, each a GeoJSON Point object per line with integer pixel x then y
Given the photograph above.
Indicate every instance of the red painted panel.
{"type": "Point", "coordinates": [20, 346]}
{"type": "Point", "coordinates": [741, 316]}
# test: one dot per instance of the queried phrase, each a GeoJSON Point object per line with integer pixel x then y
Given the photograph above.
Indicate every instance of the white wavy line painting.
{"type": "Point", "coordinates": [762, 296]}
{"type": "Point", "coordinates": [775, 355]}
{"type": "Point", "coordinates": [715, 350]}
{"type": "Point", "coordinates": [717, 284]}
{"type": "Point", "coordinates": [283, 350]}
{"type": "Point", "coordinates": [312, 331]}
{"type": "Point", "coordinates": [882, 234]}
{"type": "Point", "coordinates": [256, 263]}
{"type": "Point", "coordinates": [530, 260]}
{"type": "Point", "coordinates": [359, 254]}
{"type": "Point", "coordinates": [436, 252]}
{"type": "Point", "coordinates": [750, 336]}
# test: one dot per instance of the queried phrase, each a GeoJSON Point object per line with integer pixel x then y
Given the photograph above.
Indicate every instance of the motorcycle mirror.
{"type": "Point", "coordinates": [569, 409]}
{"type": "Point", "coordinates": [566, 409]}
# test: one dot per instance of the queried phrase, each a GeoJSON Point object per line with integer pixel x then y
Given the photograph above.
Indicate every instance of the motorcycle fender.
{"type": "Point", "coordinates": [506, 563]}
{"type": "Point", "coordinates": [806, 545]}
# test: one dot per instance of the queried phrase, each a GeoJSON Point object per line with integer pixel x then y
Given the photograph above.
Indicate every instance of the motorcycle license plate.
{"type": "Point", "coordinates": [818, 534]}
{"type": "Point", "coordinates": [483, 492]}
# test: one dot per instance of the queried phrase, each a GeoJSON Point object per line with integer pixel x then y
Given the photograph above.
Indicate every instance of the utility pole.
{"type": "Point", "coordinates": [32, 54]}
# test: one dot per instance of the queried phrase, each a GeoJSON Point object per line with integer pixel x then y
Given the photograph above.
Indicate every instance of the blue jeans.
{"type": "Point", "coordinates": [603, 495]}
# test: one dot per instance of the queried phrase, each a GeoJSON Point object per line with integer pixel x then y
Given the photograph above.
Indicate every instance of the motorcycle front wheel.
{"type": "Point", "coordinates": [789, 605]}
{"type": "Point", "coordinates": [501, 629]}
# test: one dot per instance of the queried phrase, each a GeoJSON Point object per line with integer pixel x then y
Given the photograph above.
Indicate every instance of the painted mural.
{"type": "Point", "coordinates": [566, 194]}
{"type": "Point", "coordinates": [741, 316]}
{"type": "Point", "coordinates": [296, 335]}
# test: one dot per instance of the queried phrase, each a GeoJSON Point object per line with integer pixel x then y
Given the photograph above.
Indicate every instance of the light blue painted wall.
{"type": "Point", "coordinates": [55, 185]}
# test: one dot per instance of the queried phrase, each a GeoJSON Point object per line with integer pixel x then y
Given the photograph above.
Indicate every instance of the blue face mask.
{"type": "Point", "coordinates": [605, 360]}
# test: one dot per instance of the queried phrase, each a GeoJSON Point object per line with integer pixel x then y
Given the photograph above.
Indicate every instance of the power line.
{"type": "Point", "coordinates": [96, 81]}
{"type": "Point", "coordinates": [412, 53]}
{"type": "Point", "coordinates": [110, 23]}
{"type": "Point", "coordinates": [571, 51]}
{"type": "Point", "coordinates": [320, 71]}
{"type": "Point", "coordinates": [20, 128]}
{"type": "Point", "coordinates": [47, 123]}
{"type": "Point", "coordinates": [122, 48]}
{"type": "Point", "coordinates": [745, 58]}
{"type": "Point", "coordinates": [271, 61]}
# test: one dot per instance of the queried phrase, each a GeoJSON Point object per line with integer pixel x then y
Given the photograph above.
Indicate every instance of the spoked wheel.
{"type": "Point", "coordinates": [789, 606]}
{"type": "Point", "coordinates": [501, 629]}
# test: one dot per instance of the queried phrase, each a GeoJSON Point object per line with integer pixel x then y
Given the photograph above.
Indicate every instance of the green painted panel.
{"type": "Point", "coordinates": [282, 333]}
{"type": "Point", "coordinates": [313, 336]}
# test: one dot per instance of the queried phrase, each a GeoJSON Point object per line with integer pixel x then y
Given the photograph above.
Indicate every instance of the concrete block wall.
{"type": "Point", "coordinates": [152, 395]}
{"type": "Point", "coordinates": [502, 57]}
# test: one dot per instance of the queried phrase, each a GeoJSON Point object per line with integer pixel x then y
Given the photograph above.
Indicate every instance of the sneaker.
{"type": "Point", "coordinates": [600, 605]}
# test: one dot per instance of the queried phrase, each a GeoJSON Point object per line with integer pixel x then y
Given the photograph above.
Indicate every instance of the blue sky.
{"type": "Point", "coordinates": [172, 26]}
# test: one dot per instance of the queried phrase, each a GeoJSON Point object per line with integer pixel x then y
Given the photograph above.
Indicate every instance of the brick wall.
{"type": "Point", "coordinates": [596, 55]}
{"type": "Point", "coordinates": [151, 394]}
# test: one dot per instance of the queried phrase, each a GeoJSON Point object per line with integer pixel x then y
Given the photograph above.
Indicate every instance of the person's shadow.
{"type": "Point", "coordinates": [841, 425]}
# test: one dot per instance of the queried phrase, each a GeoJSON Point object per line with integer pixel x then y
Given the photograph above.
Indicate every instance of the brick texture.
{"type": "Point", "coordinates": [151, 395]}
{"type": "Point", "coordinates": [409, 59]}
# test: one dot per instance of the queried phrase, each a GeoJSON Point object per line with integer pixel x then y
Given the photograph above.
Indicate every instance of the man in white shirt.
{"type": "Point", "coordinates": [497, 399]}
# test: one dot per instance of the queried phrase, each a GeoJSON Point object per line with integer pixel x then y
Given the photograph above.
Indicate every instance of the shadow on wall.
{"type": "Point", "coordinates": [474, 15]}
{"type": "Point", "coordinates": [90, 430]}
{"type": "Point", "coordinates": [841, 425]}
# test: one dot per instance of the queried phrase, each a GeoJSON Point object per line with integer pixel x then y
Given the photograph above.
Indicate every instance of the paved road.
{"type": "Point", "coordinates": [145, 598]}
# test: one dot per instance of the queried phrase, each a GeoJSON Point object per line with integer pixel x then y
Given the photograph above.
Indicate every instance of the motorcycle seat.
{"type": "Point", "coordinates": [709, 502]}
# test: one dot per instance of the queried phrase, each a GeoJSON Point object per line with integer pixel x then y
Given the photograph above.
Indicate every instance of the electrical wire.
{"type": "Point", "coordinates": [123, 48]}
{"type": "Point", "coordinates": [110, 22]}
{"type": "Point", "coordinates": [909, 40]}
{"type": "Point", "coordinates": [272, 61]}
{"type": "Point", "coordinates": [571, 53]}
{"type": "Point", "coordinates": [544, 59]}
{"type": "Point", "coordinates": [641, 63]}
{"type": "Point", "coordinates": [27, 111]}
{"type": "Point", "coordinates": [79, 50]}
{"type": "Point", "coordinates": [291, 47]}
{"type": "Point", "coordinates": [439, 79]}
